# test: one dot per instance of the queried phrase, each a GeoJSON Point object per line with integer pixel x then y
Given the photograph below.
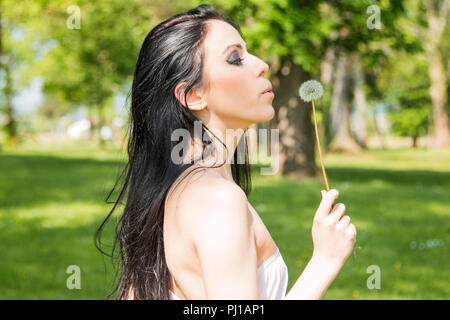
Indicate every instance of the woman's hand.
{"type": "Point", "coordinates": [332, 233]}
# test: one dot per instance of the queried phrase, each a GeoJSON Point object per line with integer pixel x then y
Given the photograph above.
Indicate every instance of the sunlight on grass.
{"type": "Point", "coordinates": [58, 215]}
{"type": "Point", "coordinates": [52, 199]}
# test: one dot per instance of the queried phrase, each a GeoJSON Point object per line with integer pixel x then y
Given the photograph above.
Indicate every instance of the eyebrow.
{"type": "Point", "coordinates": [235, 45]}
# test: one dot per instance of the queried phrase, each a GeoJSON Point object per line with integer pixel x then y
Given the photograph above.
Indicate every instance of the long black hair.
{"type": "Point", "coordinates": [171, 53]}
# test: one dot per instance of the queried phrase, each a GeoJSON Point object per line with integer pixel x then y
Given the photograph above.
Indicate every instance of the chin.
{"type": "Point", "coordinates": [265, 113]}
{"type": "Point", "coordinates": [268, 114]}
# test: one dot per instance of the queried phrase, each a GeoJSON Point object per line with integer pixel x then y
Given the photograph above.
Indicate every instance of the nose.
{"type": "Point", "coordinates": [264, 67]}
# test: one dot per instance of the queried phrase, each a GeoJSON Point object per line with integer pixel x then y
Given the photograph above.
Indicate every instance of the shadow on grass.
{"type": "Point", "coordinates": [355, 174]}
{"type": "Point", "coordinates": [391, 176]}
{"type": "Point", "coordinates": [31, 180]}
{"type": "Point", "coordinates": [35, 268]}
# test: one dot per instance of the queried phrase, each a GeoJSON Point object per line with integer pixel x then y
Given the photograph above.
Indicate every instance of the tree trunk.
{"type": "Point", "coordinates": [101, 122]}
{"type": "Point", "coordinates": [326, 67]}
{"type": "Point", "coordinates": [5, 64]}
{"type": "Point", "coordinates": [360, 102]}
{"type": "Point", "coordinates": [438, 93]}
{"type": "Point", "coordinates": [414, 141]}
{"type": "Point", "coordinates": [1, 53]}
{"type": "Point", "coordinates": [293, 119]}
{"type": "Point", "coordinates": [342, 139]}
{"type": "Point", "coordinates": [11, 125]}
{"type": "Point", "coordinates": [437, 18]}
{"type": "Point", "coordinates": [379, 132]}
{"type": "Point", "coordinates": [326, 76]}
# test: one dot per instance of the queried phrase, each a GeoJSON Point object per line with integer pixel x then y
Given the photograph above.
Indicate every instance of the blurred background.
{"type": "Point", "coordinates": [65, 72]}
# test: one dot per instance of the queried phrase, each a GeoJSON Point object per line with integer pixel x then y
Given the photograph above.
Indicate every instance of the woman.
{"type": "Point", "coordinates": [188, 230]}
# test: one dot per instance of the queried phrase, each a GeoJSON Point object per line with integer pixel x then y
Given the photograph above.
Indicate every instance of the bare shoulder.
{"type": "Point", "coordinates": [207, 192]}
{"type": "Point", "coordinates": [218, 205]}
{"type": "Point", "coordinates": [221, 228]}
{"type": "Point", "coordinates": [217, 188]}
{"type": "Point", "coordinates": [213, 216]}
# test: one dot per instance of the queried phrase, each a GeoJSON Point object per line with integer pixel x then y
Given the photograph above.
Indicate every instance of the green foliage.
{"type": "Point", "coordinates": [278, 30]}
{"type": "Point", "coordinates": [90, 64]}
{"type": "Point", "coordinates": [410, 122]}
{"type": "Point", "coordinates": [17, 49]}
{"type": "Point", "coordinates": [409, 98]}
{"type": "Point", "coordinates": [87, 66]}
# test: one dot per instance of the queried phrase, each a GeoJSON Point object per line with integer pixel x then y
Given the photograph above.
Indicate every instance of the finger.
{"type": "Point", "coordinates": [345, 221]}
{"type": "Point", "coordinates": [326, 203]}
{"type": "Point", "coordinates": [337, 212]}
{"type": "Point", "coordinates": [351, 230]}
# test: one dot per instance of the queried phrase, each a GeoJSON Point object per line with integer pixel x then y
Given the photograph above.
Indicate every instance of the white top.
{"type": "Point", "coordinates": [272, 278]}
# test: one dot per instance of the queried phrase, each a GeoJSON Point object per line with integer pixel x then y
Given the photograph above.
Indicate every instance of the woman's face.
{"type": "Point", "coordinates": [234, 91]}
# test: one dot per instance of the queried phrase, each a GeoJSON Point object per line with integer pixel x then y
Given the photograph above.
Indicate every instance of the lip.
{"type": "Point", "coordinates": [268, 89]}
{"type": "Point", "coordinates": [268, 93]}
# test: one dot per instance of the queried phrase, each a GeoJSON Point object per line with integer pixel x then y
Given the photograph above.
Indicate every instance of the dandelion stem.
{"type": "Point", "coordinates": [318, 145]}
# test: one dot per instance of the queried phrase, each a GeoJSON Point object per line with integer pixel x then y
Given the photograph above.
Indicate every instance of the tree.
{"type": "Point", "coordinates": [340, 108]}
{"type": "Point", "coordinates": [294, 121]}
{"type": "Point", "coordinates": [437, 17]}
{"type": "Point", "coordinates": [290, 36]}
{"type": "Point", "coordinates": [357, 42]}
{"type": "Point", "coordinates": [92, 56]}
{"type": "Point", "coordinates": [428, 20]}
{"type": "Point", "coordinates": [410, 98]}
{"type": "Point", "coordinates": [16, 50]}
{"type": "Point", "coordinates": [360, 101]}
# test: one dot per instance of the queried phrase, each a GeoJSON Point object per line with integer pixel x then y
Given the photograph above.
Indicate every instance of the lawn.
{"type": "Point", "coordinates": [52, 198]}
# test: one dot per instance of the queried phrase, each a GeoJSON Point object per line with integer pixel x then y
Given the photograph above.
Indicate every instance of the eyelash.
{"type": "Point", "coordinates": [237, 62]}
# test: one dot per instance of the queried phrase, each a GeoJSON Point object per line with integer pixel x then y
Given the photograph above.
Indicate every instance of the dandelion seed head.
{"type": "Point", "coordinates": [310, 90]}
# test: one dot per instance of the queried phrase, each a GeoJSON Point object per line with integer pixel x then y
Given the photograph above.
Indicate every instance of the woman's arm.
{"type": "Point", "coordinates": [223, 236]}
{"type": "Point", "coordinates": [333, 237]}
{"type": "Point", "coordinates": [314, 281]}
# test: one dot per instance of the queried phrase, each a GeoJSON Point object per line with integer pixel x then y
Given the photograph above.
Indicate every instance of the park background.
{"type": "Point", "coordinates": [65, 71]}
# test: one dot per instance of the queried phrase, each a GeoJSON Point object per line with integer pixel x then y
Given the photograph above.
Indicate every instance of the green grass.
{"type": "Point", "coordinates": [52, 200]}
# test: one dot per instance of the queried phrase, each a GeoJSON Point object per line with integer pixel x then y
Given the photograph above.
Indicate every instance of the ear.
{"type": "Point", "coordinates": [195, 97]}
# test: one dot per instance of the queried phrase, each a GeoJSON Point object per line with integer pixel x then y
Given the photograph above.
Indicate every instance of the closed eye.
{"type": "Point", "coordinates": [237, 61]}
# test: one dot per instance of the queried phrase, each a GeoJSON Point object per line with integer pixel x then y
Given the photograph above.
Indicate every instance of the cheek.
{"type": "Point", "coordinates": [231, 93]}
